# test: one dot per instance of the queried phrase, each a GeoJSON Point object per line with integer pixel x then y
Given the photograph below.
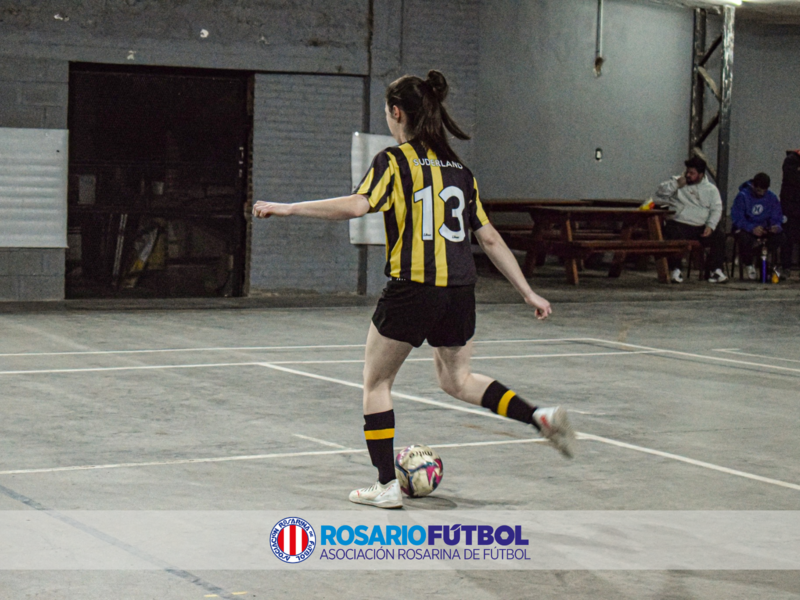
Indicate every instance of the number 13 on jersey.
{"type": "Point", "coordinates": [452, 192]}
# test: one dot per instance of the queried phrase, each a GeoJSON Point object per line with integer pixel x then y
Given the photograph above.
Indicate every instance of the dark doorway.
{"type": "Point", "coordinates": [158, 181]}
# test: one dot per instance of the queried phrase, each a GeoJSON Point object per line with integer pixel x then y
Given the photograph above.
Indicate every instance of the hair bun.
{"type": "Point", "coordinates": [438, 84]}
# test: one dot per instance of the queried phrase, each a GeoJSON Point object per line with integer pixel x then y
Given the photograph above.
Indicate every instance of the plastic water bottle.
{"type": "Point", "coordinates": [648, 204]}
{"type": "Point", "coordinates": [763, 263]}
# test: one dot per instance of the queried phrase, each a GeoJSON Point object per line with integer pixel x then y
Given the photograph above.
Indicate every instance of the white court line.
{"type": "Point", "coordinates": [494, 443]}
{"type": "Point", "coordinates": [531, 341]}
{"type": "Point", "coordinates": [458, 445]}
{"type": "Point", "coordinates": [690, 461]}
{"type": "Point", "coordinates": [422, 401]}
{"type": "Point", "coordinates": [586, 436]}
{"type": "Point", "coordinates": [257, 348]}
{"type": "Point", "coordinates": [501, 357]}
{"type": "Point", "coordinates": [165, 350]}
{"type": "Point", "coordinates": [183, 461]}
{"type": "Point", "coordinates": [569, 354]}
{"type": "Point", "coordinates": [311, 362]}
{"type": "Point", "coordinates": [692, 355]}
{"type": "Point", "coordinates": [319, 441]}
{"type": "Point", "coordinates": [360, 386]}
{"type": "Point", "coordinates": [136, 368]}
{"type": "Point", "coordinates": [194, 461]}
{"type": "Point", "coordinates": [757, 355]}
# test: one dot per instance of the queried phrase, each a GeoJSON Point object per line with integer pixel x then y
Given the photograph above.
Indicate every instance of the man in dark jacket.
{"type": "Point", "coordinates": [790, 204]}
{"type": "Point", "coordinates": [757, 217]}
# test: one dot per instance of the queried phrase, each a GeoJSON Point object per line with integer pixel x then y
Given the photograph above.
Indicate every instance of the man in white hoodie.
{"type": "Point", "coordinates": [698, 208]}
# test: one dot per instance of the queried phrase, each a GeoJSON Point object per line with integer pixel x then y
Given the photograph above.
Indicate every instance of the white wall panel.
{"type": "Point", "coordinates": [542, 113]}
{"type": "Point", "coordinates": [33, 188]}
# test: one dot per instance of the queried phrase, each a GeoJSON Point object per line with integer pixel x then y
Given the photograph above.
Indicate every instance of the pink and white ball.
{"type": "Point", "coordinates": [419, 470]}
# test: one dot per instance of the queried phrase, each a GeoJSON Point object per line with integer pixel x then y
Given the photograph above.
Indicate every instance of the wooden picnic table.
{"type": "Point", "coordinates": [507, 214]}
{"type": "Point", "coordinates": [523, 205]}
{"type": "Point", "coordinates": [554, 230]}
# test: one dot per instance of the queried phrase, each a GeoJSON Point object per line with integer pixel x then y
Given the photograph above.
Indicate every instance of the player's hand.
{"type": "Point", "coordinates": [264, 210]}
{"type": "Point", "coordinates": [541, 305]}
{"type": "Point", "coordinates": [774, 228]}
{"type": "Point", "coordinates": [758, 231]}
{"type": "Point", "coordinates": [707, 231]}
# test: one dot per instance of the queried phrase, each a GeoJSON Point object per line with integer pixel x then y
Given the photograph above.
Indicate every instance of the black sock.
{"type": "Point", "coordinates": [501, 400]}
{"type": "Point", "coordinates": [379, 433]}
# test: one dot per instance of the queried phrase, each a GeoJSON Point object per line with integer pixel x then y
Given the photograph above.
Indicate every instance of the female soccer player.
{"type": "Point", "coordinates": [430, 202]}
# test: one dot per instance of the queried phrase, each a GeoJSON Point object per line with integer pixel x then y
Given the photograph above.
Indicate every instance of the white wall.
{"type": "Point", "coordinates": [765, 115]}
{"type": "Point", "coordinates": [542, 112]}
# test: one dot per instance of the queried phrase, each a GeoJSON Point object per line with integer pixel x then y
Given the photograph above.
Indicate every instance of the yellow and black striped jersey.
{"type": "Point", "coordinates": [429, 206]}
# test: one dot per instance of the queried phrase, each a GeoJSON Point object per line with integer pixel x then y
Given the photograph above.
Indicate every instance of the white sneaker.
{"type": "Point", "coordinates": [676, 276]}
{"type": "Point", "coordinates": [554, 425]}
{"type": "Point", "coordinates": [717, 277]}
{"type": "Point", "coordinates": [751, 272]}
{"type": "Point", "coordinates": [380, 495]}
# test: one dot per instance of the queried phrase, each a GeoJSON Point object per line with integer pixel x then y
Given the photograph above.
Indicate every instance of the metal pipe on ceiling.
{"type": "Point", "coordinates": [598, 49]}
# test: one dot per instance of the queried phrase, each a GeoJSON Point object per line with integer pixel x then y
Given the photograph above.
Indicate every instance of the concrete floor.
{"type": "Point", "coordinates": [77, 397]}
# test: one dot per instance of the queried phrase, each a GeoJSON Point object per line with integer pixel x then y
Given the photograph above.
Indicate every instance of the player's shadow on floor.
{"type": "Point", "coordinates": [438, 502]}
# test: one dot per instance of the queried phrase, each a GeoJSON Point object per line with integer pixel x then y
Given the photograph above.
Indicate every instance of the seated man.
{"type": "Point", "coordinates": [698, 208]}
{"type": "Point", "coordinates": [756, 216]}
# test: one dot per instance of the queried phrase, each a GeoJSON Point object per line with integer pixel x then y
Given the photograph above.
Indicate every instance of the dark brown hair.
{"type": "Point", "coordinates": [422, 100]}
{"type": "Point", "coordinates": [761, 180]}
{"type": "Point", "coordinates": [696, 163]}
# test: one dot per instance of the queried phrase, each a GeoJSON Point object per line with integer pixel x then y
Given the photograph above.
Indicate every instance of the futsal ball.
{"type": "Point", "coordinates": [419, 470]}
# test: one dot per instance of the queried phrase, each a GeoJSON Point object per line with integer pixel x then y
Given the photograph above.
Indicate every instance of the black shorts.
{"type": "Point", "coordinates": [413, 312]}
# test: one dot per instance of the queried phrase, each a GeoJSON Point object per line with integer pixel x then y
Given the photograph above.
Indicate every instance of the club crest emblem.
{"type": "Point", "coordinates": [292, 540]}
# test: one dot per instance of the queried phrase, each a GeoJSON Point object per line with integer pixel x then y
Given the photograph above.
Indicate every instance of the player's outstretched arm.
{"type": "Point", "coordinates": [334, 209]}
{"type": "Point", "coordinates": [497, 251]}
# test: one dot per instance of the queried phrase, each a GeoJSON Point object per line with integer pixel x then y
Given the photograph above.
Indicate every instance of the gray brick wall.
{"type": "Point", "coordinates": [301, 151]}
{"type": "Point", "coordinates": [445, 35]}
{"type": "Point", "coordinates": [302, 122]}
{"type": "Point", "coordinates": [266, 35]}
{"type": "Point", "coordinates": [376, 262]}
{"type": "Point", "coordinates": [28, 274]}
{"type": "Point", "coordinates": [416, 36]}
{"type": "Point", "coordinates": [33, 93]}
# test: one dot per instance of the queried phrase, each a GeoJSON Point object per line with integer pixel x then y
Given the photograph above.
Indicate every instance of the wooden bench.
{"type": "Point", "coordinates": [517, 240]}
{"type": "Point", "coordinates": [515, 224]}
{"type": "Point", "coordinates": [581, 249]}
{"type": "Point", "coordinates": [573, 248]}
{"type": "Point", "coordinates": [658, 249]}
{"type": "Point", "coordinates": [575, 230]}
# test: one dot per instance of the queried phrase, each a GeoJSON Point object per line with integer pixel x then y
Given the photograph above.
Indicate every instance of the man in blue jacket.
{"type": "Point", "coordinates": [757, 217]}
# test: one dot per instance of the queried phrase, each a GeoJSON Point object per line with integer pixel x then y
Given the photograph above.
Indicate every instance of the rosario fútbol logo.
{"type": "Point", "coordinates": [292, 540]}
